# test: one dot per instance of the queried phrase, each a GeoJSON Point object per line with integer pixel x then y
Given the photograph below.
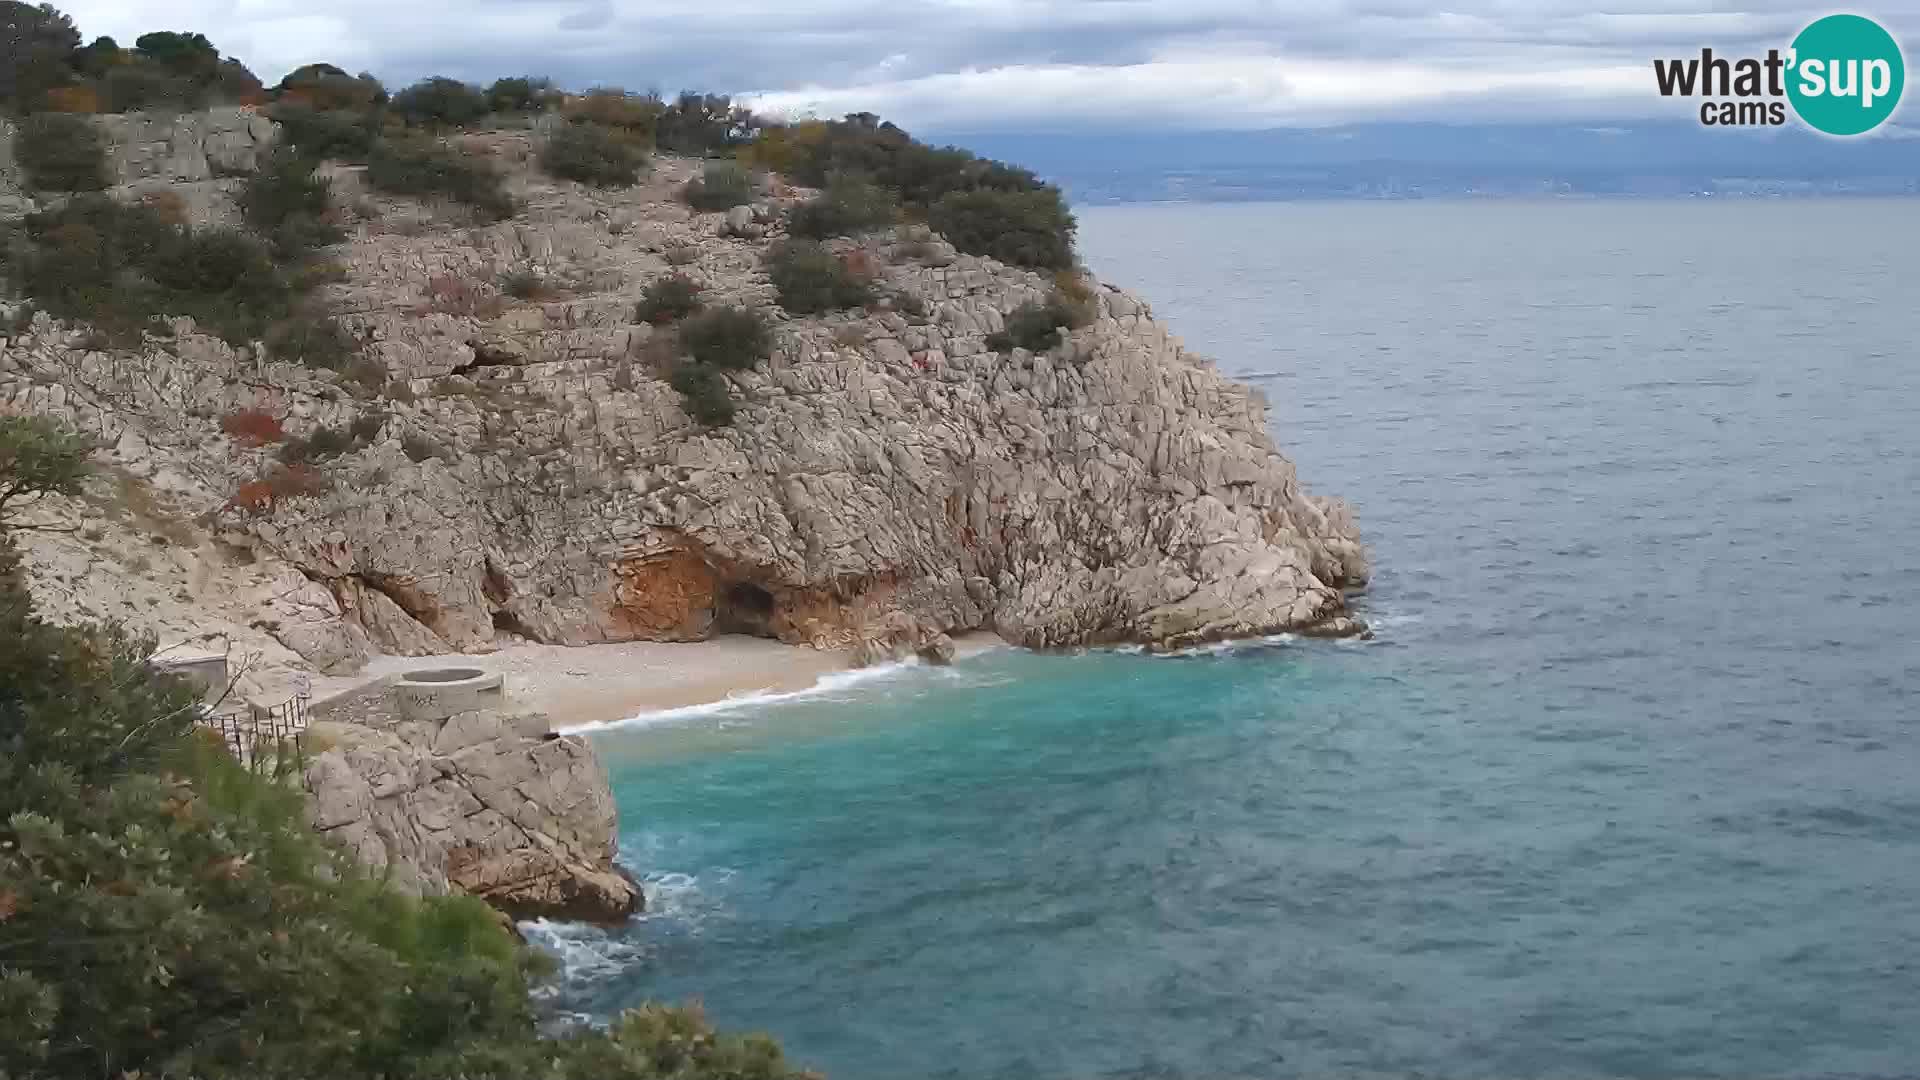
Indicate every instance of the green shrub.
{"type": "Point", "coordinates": [59, 152]}
{"type": "Point", "coordinates": [1038, 327]}
{"type": "Point", "coordinates": [325, 87]}
{"type": "Point", "coordinates": [324, 443]}
{"type": "Point", "coordinates": [524, 285]}
{"type": "Point", "coordinates": [704, 393]}
{"type": "Point", "coordinates": [731, 338]}
{"type": "Point", "coordinates": [519, 94]}
{"type": "Point", "coordinates": [720, 186]}
{"type": "Point", "coordinates": [810, 279]}
{"type": "Point", "coordinates": [592, 154]}
{"type": "Point", "coordinates": [668, 298]}
{"type": "Point", "coordinates": [117, 266]}
{"type": "Point", "coordinates": [849, 206]}
{"type": "Point", "coordinates": [439, 102]}
{"type": "Point", "coordinates": [1021, 228]}
{"type": "Point", "coordinates": [425, 169]}
{"type": "Point", "coordinates": [327, 134]}
{"type": "Point", "coordinates": [290, 205]}
{"type": "Point", "coordinates": [1036, 217]}
{"type": "Point", "coordinates": [312, 338]}
{"type": "Point", "coordinates": [702, 124]}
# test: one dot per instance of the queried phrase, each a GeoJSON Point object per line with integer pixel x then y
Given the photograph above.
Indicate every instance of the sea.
{"type": "Point", "coordinates": [1626, 783]}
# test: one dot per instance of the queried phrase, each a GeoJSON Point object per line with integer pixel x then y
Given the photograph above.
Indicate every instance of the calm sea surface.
{"type": "Point", "coordinates": [1628, 785]}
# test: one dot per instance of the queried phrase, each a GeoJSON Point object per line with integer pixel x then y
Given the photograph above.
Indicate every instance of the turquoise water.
{"type": "Point", "coordinates": [1626, 786]}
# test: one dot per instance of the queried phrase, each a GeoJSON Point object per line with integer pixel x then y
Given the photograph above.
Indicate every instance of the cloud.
{"type": "Point", "coordinates": [977, 65]}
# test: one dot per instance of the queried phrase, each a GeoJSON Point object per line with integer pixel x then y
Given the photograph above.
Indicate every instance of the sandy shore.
{"type": "Point", "coordinates": [595, 684]}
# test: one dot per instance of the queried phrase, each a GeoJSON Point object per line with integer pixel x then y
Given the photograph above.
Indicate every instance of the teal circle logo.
{"type": "Point", "coordinates": [1845, 75]}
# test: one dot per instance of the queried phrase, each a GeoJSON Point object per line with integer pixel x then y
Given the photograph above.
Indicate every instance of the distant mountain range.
{"type": "Point", "coordinates": [1424, 160]}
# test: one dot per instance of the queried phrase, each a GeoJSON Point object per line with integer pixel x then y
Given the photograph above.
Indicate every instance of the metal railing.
{"type": "Point", "coordinates": [257, 734]}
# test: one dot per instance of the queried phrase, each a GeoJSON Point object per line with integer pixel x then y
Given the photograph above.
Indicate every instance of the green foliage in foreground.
{"type": "Point", "coordinates": [165, 912]}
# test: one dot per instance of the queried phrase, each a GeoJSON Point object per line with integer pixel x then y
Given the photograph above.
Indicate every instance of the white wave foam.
{"type": "Point", "coordinates": [584, 953]}
{"type": "Point", "coordinates": [825, 686]}
{"type": "Point", "coordinates": [1223, 648]}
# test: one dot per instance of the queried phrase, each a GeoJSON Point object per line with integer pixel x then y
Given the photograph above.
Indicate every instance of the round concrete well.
{"type": "Point", "coordinates": [437, 693]}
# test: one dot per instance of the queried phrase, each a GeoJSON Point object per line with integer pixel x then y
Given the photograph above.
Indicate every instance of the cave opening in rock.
{"type": "Point", "coordinates": [746, 608]}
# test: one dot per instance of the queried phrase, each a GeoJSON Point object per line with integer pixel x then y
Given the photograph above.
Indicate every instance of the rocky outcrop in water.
{"type": "Point", "coordinates": [493, 805]}
{"type": "Point", "coordinates": [888, 480]}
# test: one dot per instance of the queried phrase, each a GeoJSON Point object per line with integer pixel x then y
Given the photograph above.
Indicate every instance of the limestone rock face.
{"type": "Point", "coordinates": [186, 147]}
{"type": "Point", "coordinates": [888, 480]}
{"type": "Point", "coordinates": [495, 806]}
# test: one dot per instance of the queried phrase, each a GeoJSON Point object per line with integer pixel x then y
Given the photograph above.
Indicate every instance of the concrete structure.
{"type": "Point", "coordinates": [438, 693]}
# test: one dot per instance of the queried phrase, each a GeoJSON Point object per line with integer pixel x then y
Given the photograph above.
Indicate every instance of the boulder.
{"type": "Point", "coordinates": [491, 804]}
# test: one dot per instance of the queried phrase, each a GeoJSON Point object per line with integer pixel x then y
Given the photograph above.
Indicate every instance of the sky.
{"type": "Point", "coordinates": [1030, 65]}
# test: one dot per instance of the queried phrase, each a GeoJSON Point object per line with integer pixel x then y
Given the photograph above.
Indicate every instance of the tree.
{"type": "Point", "coordinates": [189, 55]}
{"type": "Point", "coordinates": [36, 50]}
{"type": "Point", "coordinates": [37, 458]}
{"type": "Point", "coordinates": [440, 101]}
{"type": "Point", "coordinates": [100, 56]}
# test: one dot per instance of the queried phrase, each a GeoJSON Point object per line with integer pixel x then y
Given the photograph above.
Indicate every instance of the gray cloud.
{"type": "Point", "coordinates": [971, 65]}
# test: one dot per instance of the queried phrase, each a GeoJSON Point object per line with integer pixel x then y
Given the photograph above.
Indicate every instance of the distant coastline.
{"type": "Point", "coordinates": [1402, 161]}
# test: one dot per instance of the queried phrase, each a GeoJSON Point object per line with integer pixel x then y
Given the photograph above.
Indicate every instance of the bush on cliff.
{"type": "Point", "coordinates": [810, 279]}
{"type": "Point", "coordinates": [439, 102]}
{"type": "Point", "coordinates": [850, 205]}
{"type": "Point", "coordinates": [1039, 327]}
{"type": "Point", "coordinates": [592, 154]}
{"type": "Point", "coordinates": [290, 205]}
{"type": "Point", "coordinates": [327, 134]}
{"type": "Point", "coordinates": [704, 393]}
{"type": "Point", "coordinates": [166, 912]}
{"type": "Point", "coordinates": [668, 298]}
{"type": "Point", "coordinates": [702, 124]}
{"type": "Point", "coordinates": [61, 153]}
{"type": "Point", "coordinates": [520, 94]}
{"type": "Point", "coordinates": [722, 185]}
{"type": "Point", "coordinates": [730, 338]}
{"type": "Point", "coordinates": [426, 169]}
{"type": "Point", "coordinates": [117, 266]}
{"type": "Point", "coordinates": [1021, 228]}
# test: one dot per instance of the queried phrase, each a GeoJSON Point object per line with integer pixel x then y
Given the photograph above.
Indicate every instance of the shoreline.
{"type": "Point", "coordinates": [580, 686]}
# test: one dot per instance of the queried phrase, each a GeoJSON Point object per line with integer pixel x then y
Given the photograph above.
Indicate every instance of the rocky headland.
{"type": "Point", "coordinates": [889, 480]}
{"type": "Point", "coordinates": [522, 471]}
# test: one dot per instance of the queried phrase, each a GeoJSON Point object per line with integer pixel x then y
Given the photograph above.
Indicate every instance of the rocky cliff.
{"type": "Point", "coordinates": [888, 479]}
{"type": "Point", "coordinates": [493, 805]}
